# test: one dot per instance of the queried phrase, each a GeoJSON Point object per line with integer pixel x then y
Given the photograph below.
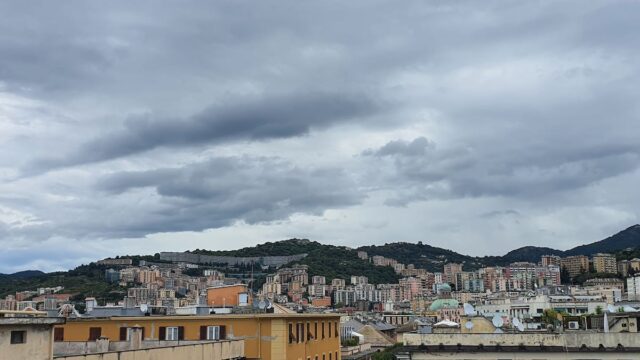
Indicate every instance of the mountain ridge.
{"type": "Point", "coordinates": [340, 261]}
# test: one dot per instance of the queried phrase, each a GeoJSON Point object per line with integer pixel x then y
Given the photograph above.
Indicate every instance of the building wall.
{"type": "Point", "coordinates": [571, 340]}
{"type": "Point", "coordinates": [202, 351]}
{"type": "Point", "coordinates": [225, 295]}
{"type": "Point", "coordinates": [522, 356]}
{"type": "Point", "coordinates": [38, 345]}
{"type": "Point", "coordinates": [575, 264]}
{"type": "Point", "coordinates": [604, 263]}
{"type": "Point", "coordinates": [266, 336]}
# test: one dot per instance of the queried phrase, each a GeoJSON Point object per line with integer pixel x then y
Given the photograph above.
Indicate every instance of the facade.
{"type": "Point", "coordinates": [547, 260]}
{"type": "Point", "coordinates": [575, 264]}
{"type": "Point", "coordinates": [450, 271]}
{"type": "Point", "coordinates": [228, 295]}
{"type": "Point", "coordinates": [266, 336]}
{"type": "Point", "coordinates": [115, 262]}
{"type": "Point", "coordinates": [605, 263]}
{"type": "Point", "coordinates": [26, 337]}
{"type": "Point", "coordinates": [633, 288]}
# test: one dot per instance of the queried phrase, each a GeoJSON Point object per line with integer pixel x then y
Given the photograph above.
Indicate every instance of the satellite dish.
{"type": "Point", "coordinates": [144, 308]}
{"type": "Point", "coordinates": [497, 321]}
{"type": "Point", "coordinates": [468, 325]}
{"type": "Point", "coordinates": [468, 309]}
{"type": "Point", "coordinates": [498, 331]}
{"type": "Point", "coordinates": [516, 322]}
{"type": "Point", "coordinates": [262, 305]}
{"type": "Point", "coordinates": [520, 327]}
{"type": "Point", "coordinates": [611, 308]}
{"type": "Point", "coordinates": [269, 304]}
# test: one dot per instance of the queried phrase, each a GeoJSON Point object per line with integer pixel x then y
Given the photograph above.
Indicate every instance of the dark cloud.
{"type": "Point", "coordinates": [225, 190]}
{"type": "Point", "coordinates": [417, 147]}
{"type": "Point", "coordinates": [166, 118]}
{"type": "Point", "coordinates": [264, 119]}
{"type": "Point", "coordinates": [477, 172]}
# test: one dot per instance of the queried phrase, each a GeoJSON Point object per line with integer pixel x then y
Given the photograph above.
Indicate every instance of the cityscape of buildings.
{"type": "Point", "coordinates": [347, 318]}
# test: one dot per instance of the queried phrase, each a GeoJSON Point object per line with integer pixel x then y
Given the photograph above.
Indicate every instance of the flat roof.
{"type": "Point", "coordinates": [31, 321]}
{"type": "Point", "coordinates": [208, 317]}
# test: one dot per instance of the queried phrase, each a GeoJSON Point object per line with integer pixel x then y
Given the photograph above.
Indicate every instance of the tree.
{"type": "Point", "coordinates": [565, 277]}
{"type": "Point", "coordinates": [550, 316]}
{"type": "Point", "coordinates": [598, 310]}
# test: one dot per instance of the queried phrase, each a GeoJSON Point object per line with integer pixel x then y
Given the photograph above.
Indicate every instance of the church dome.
{"type": "Point", "coordinates": [444, 304]}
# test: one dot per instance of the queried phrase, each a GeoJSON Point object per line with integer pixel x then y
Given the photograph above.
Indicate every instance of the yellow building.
{"type": "Point", "coordinates": [267, 336]}
{"type": "Point", "coordinates": [575, 264]}
{"type": "Point", "coordinates": [605, 263]}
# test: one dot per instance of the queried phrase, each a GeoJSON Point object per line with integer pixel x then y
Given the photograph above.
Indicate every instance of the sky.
{"type": "Point", "coordinates": [135, 128]}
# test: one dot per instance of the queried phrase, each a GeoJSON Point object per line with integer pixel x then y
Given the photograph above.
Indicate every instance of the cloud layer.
{"type": "Point", "coordinates": [136, 128]}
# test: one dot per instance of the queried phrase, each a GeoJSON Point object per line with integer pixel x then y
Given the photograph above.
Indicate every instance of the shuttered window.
{"type": "Point", "coordinates": [58, 334]}
{"type": "Point", "coordinates": [94, 333]}
{"type": "Point", "coordinates": [172, 333]}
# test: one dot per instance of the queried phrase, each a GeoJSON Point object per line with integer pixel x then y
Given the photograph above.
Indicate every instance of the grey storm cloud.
{"type": "Point", "coordinates": [135, 120]}
{"type": "Point", "coordinates": [263, 119]}
{"type": "Point", "coordinates": [220, 191]}
{"type": "Point", "coordinates": [453, 173]}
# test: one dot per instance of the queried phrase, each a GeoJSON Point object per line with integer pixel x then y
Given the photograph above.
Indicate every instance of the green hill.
{"type": "Point", "coordinates": [625, 239]}
{"type": "Point", "coordinates": [326, 260]}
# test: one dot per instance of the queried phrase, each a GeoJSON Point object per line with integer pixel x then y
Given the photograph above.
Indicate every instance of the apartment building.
{"type": "Point", "coordinates": [547, 260]}
{"type": "Point", "coordinates": [450, 271]}
{"type": "Point", "coordinates": [605, 263]}
{"type": "Point", "coordinates": [266, 336]}
{"type": "Point", "coordinates": [575, 264]}
{"type": "Point", "coordinates": [26, 335]}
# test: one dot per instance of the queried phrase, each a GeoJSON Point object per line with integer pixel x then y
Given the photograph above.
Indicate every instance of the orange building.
{"type": "Point", "coordinates": [266, 336]}
{"type": "Point", "coordinates": [228, 295]}
{"type": "Point", "coordinates": [321, 302]}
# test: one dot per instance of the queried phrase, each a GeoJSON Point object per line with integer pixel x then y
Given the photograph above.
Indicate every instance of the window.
{"type": "Point", "coordinates": [301, 337]}
{"type": "Point", "coordinates": [337, 330]}
{"type": "Point", "coordinates": [309, 336]}
{"type": "Point", "coordinates": [329, 328]}
{"type": "Point", "coordinates": [322, 329]}
{"type": "Point", "coordinates": [330, 356]}
{"type": "Point", "coordinates": [291, 337]}
{"type": "Point", "coordinates": [18, 337]}
{"type": "Point", "coordinates": [315, 332]}
{"type": "Point", "coordinates": [213, 332]}
{"type": "Point", "coordinates": [58, 334]}
{"type": "Point", "coordinates": [297, 332]}
{"type": "Point", "coordinates": [172, 333]}
{"type": "Point", "coordinates": [94, 333]}
{"type": "Point", "coordinates": [324, 357]}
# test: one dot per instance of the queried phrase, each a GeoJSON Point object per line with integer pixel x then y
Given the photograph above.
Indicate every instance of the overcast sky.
{"type": "Point", "coordinates": [139, 127]}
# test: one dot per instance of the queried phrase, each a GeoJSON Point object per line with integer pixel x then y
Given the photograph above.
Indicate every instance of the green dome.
{"type": "Point", "coordinates": [443, 303]}
{"type": "Point", "coordinates": [445, 287]}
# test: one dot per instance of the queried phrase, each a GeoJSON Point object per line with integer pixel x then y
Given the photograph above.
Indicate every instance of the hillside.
{"type": "Point", "coordinates": [527, 253]}
{"type": "Point", "coordinates": [327, 260]}
{"type": "Point", "coordinates": [85, 280]}
{"type": "Point", "coordinates": [421, 255]}
{"type": "Point", "coordinates": [628, 238]}
{"type": "Point", "coordinates": [21, 275]}
{"type": "Point", "coordinates": [433, 258]}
